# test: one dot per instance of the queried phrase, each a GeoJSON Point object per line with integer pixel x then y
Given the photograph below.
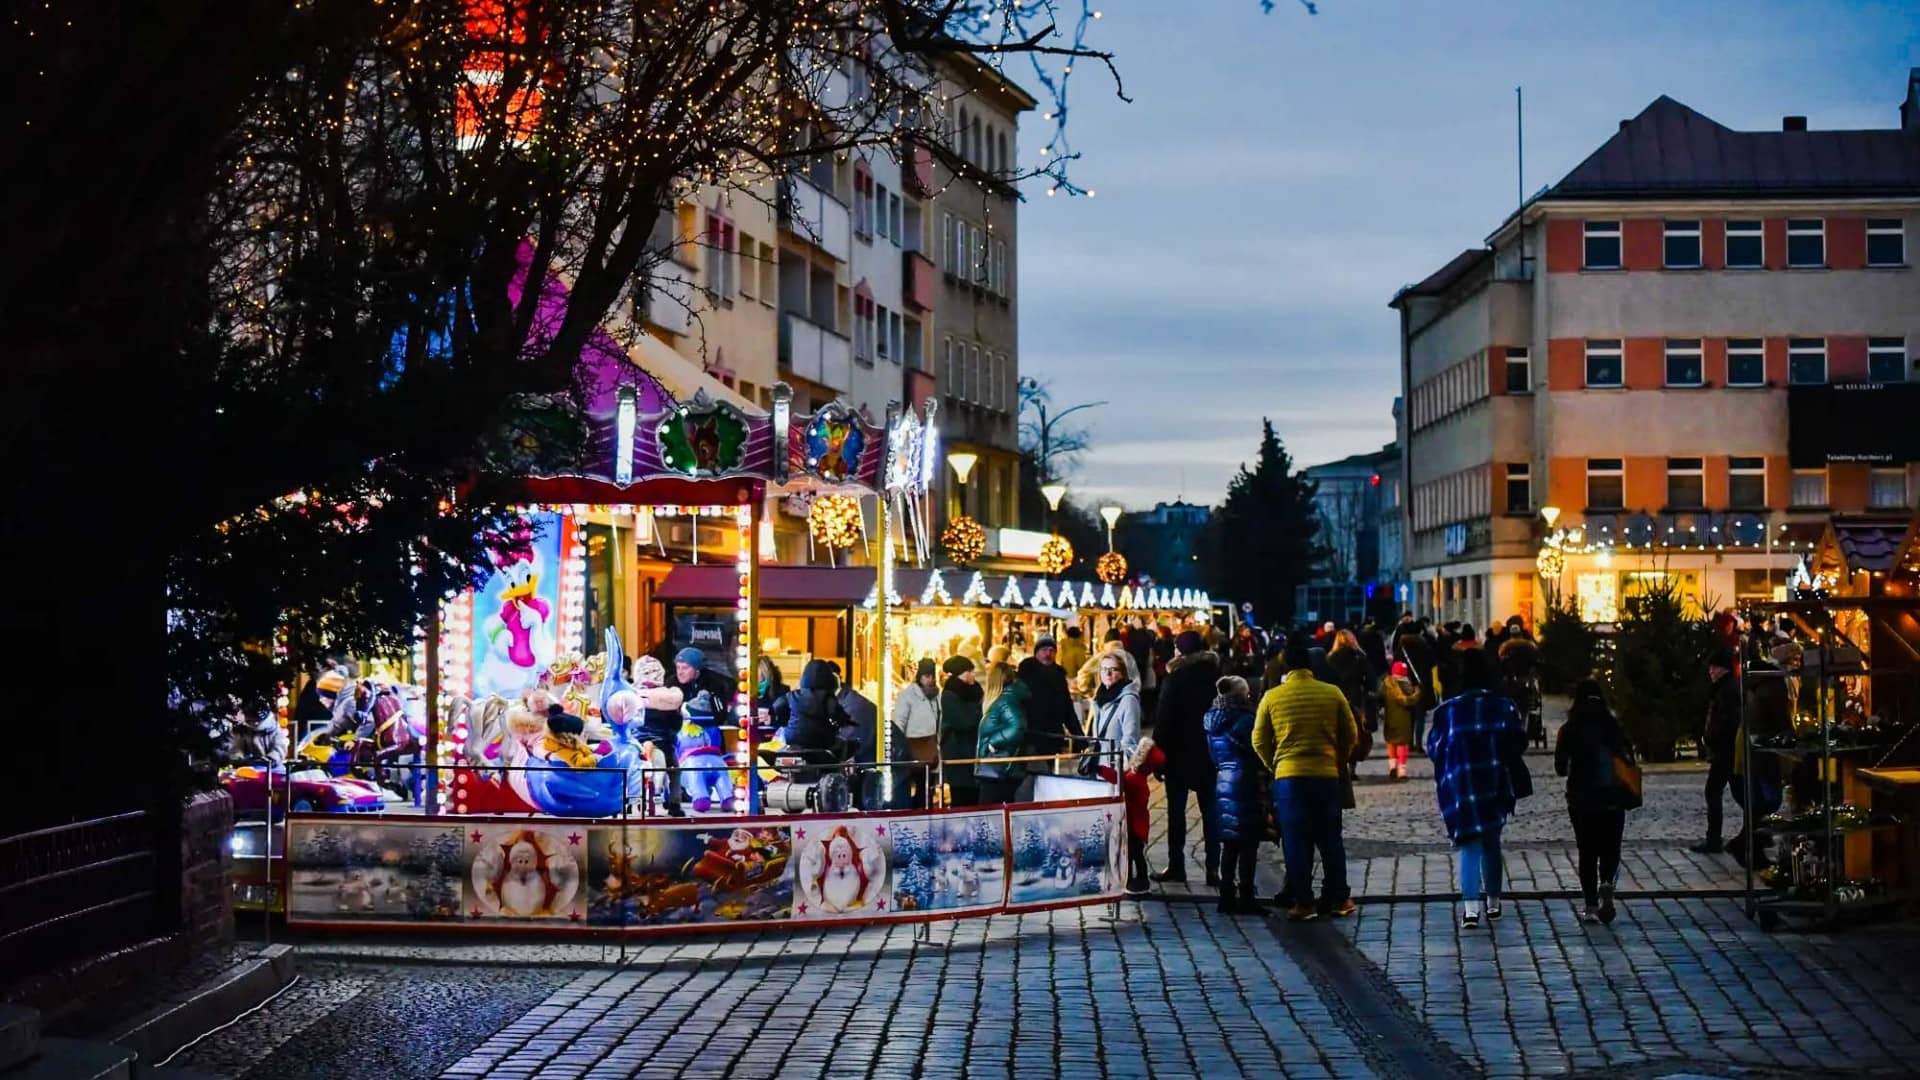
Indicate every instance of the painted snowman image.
{"type": "Point", "coordinates": [518, 635]}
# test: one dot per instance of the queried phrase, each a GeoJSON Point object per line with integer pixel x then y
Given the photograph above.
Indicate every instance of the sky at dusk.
{"type": "Point", "coordinates": [1278, 177]}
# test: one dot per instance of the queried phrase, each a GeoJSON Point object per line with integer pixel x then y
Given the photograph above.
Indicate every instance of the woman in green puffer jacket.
{"type": "Point", "coordinates": [1003, 733]}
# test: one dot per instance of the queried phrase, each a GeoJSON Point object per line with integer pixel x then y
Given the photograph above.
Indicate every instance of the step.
{"type": "Point", "coordinates": [170, 1025]}
{"type": "Point", "coordinates": [19, 1035]}
{"type": "Point", "coordinates": [75, 1059]}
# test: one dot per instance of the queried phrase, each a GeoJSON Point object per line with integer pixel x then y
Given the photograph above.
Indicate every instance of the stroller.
{"type": "Point", "coordinates": [1524, 688]}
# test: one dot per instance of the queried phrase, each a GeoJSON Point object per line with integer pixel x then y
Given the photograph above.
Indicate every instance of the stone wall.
{"type": "Point", "coordinates": [206, 871]}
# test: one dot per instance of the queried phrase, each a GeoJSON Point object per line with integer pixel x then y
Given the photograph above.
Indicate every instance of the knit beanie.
{"type": "Point", "coordinates": [957, 665]}
{"type": "Point", "coordinates": [1187, 641]}
{"type": "Point", "coordinates": [691, 657]}
{"type": "Point", "coordinates": [924, 669]}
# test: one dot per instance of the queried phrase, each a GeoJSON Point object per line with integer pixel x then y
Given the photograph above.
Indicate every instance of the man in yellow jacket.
{"type": "Point", "coordinates": [1303, 733]}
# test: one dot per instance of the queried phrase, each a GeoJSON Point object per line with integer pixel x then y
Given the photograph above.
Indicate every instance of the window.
{"type": "Point", "coordinates": [1006, 162]}
{"type": "Point", "coordinates": [1887, 489]}
{"type": "Point", "coordinates": [1686, 483]}
{"type": "Point", "coordinates": [863, 204]}
{"type": "Point", "coordinates": [1603, 245]}
{"type": "Point", "coordinates": [946, 243]}
{"type": "Point", "coordinates": [1887, 359]}
{"type": "Point", "coordinates": [1806, 361]}
{"type": "Point", "coordinates": [1604, 363]}
{"type": "Point", "coordinates": [1684, 366]}
{"type": "Point", "coordinates": [1746, 362]}
{"type": "Point", "coordinates": [686, 235]}
{"type": "Point", "coordinates": [999, 268]}
{"type": "Point", "coordinates": [720, 271]}
{"type": "Point", "coordinates": [1886, 242]}
{"type": "Point", "coordinates": [1683, 245]}
{"type": "Point", "coordinates": [769, 275]}
{"type": "Point", "coordinates": [895, 223]}
{"type": "Point", "coordinates": [977, 253]}
{"type": "Point", "coordinates": [863, 322]}
{"type": "Point", "coordinates": [1519, 488]}
{"type": "Point", "coordinates": [1519, 372]}
{"type": "Point", "coordinates": [1806, 242]}
{"type": "Point", "coordinates": [898, 340]}
{"type": "Point", "coordinates": [1747, 483]}
{"type": "Point", "coordinates": [1809, 487]}
{"type": "Point", "coordinates": [882, 217]}
{"type": "Point", "coordinates": [973, 376]}
{"type": "Point", "coordinates": [1606, 484]}
{"type": "Point", "coordinates": [881, 339]}
{"type": "Point", "coordinates": [1746, 246]}
{"type": "Point", "coordinates": [946, 365]}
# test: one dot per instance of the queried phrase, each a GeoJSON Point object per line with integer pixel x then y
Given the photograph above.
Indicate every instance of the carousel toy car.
{"type": "Point", "coordinates": [307, 790]}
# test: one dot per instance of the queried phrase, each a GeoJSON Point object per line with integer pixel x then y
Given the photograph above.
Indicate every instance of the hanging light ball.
{"type": "Point", "coordinates": [1111, 567]}
{"type": "Point", "coordinates": [1055, 555]}
{"type": "Point", "coordinates": [963, 540]}
{"type": "Point", "coordinates": [1550, 562]}
{"type": "Point", "coordinates": [834, 521]}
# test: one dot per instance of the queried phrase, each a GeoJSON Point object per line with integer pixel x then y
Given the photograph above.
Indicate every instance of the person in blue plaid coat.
{"type": "Point", "coordinates": [1476, 740]}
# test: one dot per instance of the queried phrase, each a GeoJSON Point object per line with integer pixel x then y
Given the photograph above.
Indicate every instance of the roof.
{"type": "Point", "coordinates": [1670, 149]}
{"type": "Point", "coordinates": [1438, 282]}
{"type": "Point", "coordinates": [1870, 543]}
{"type": "Point", "coordinates": [836, 586]}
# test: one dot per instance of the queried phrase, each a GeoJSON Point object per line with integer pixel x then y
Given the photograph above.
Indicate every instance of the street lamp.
{"type": "Point", "coordinates": [1550, 514]}
{"type": "Point", "coordinates": [1054, 493]}
{"type": "Point", "coordinates": [963, 462]}
{"type": "Point", "coordinates": [1111, 514]}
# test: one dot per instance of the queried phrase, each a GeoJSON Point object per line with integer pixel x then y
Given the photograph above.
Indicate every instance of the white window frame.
{"type": "Point", "coordinates": [1805, 227]}
{"type": "Point", "coordinates": [1757, 349]}
{"type": "Point", "coordinates": [1744, 228]}
{"type": "Point", "coordinates": [896, 224]}
{"type": "Point", "coordinates": [1736, 469]}
{"type": "Point", "coordinates": [1523, 472]}
{"type": "Point", "coordinates": [974, 374]}
{"type": "Point", "coordinates": [1895, 227]}
{"type": "Point", "coordinates": [1674, 229]}
{"type": "Point", "coordinates": [1601, 230]}
{"type": "Point", "coordinates": [1887, 348]}
{"type": "Point", "coordinates": [1617, 469]}
{"type": "Point", "coordinates": [1805, 477]}
{"type": "Point", "coordinates": [1887, 488]}
{"type": "Point", "coordinates": [946, 242]}
{"type": "Point", "coordinates": [1697, 470]}
{"type": "Point", "coordinates": [1522, 357]}
{"type": "Point", "coordinates": [1614, 347]}
{"type": "Point", "coordinates": [1682, 348]}
{"type": "Point", "coordinates": [1803, 348]}
{"type": "Point", "coordinates": [898, 338]}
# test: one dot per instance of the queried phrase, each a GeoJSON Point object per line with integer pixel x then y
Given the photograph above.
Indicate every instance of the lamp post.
{"type": "Point", "coordinates": [963, 462]}
{"type": "Point", "coordinates": [1054, 493]}
{"type": "Point", "coordinates": [1111, 515]}
{"type": "Point", "coordinates": [1552, 561]}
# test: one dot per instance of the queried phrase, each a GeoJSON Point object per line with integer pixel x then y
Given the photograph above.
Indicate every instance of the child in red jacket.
{"type": "Point", "coordinates": [1147, 760]}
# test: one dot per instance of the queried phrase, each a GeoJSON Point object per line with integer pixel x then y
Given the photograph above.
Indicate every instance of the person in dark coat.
{"type": "Point", "coordinates": [1716, 740]}
{"type": "Point", "coordinates": [1239, 808]}
{"type": "Point", "coordinates": [1051, 721]}
{"type": "Point", "coordinates": [1139, 642]}
{"type": "Point", "coordinates": [692, 675]}
{"type": "Point", "coordinates": [1179, 729]}
{"type": "Point", "coordinates": [1583, 753]}
{"type": "Point", "coordinates": [960, 708]}
{"type": "Point", "coordinates": [810, 714]}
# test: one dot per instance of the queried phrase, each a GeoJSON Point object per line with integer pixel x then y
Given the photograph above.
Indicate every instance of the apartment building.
{"type": "Point", "coordinates": [1356, 501]}
{"type": "Point", "coordinates": [974, 359]}
{"type": "Point", "coordinates": [1654, 351]}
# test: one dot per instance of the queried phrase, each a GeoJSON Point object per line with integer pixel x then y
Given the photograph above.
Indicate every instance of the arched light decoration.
{"type": "Point", "coordinates": [936, 590]}
{"type": "Point", "coordinates": [1126, 597]}
{"type": "Point", "coordinates": [1042, 595]}
{"type": "Point", "coordinates": [1066, 595]}
{"type": "Point", "coordinates": [1010, 596]}
{"type": "Point", "coordinates": [1087, 599]}
{"type": "Point", "coordinates": [976, 591]}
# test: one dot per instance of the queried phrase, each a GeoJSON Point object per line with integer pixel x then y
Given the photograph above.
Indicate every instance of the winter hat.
{"type": "Point", "coordinates": [924, 669]}
{"type": "Point", "coordinates": [1045, 641]}
{"type": "Point", "coordinates": [1400, 669]}
{"type": "Point", "coordinates": [1232, 687]}
{"type": "Point", "coordinates": [1112, 634]}
{"type": "Point", "coordinates": [1188, 641]}
{"type": "Point", "coordinates": [691, 657]}
{"type": "Point", "coordinates": [561, 722]}
{"type": "Point", "coordinates": [957, 665]}
{"type": "Point", "coordinates": [1073, 632]}
{"type": "Point", "coordinates": [649, 672]}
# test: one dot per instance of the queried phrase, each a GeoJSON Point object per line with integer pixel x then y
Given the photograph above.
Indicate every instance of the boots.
{"type": "Point", "coordinates": [1136, 868]}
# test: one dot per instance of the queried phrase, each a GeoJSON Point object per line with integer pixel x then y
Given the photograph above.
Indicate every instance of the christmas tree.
{"type": "Point", "coordinates": [434, 897]}
{"type": "Point", "coordinates": [449, 854]}
{"type": "Point", "coordinates": [322, 848]}
{"type": "Point", "coordinates": [1031, 854]}
{"type": "Point", "coordinates": [987, 841]}
{"type": "Point", "coordinates": [916, 884]}
{"type": "Point", "coordinates": [419, 854]}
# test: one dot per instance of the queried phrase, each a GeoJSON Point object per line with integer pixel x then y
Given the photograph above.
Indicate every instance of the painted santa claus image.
{"type": "Point", "coordinates": [842, 870]}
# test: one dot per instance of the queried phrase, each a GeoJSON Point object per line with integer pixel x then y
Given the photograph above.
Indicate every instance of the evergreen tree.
{"type": "Point", "coordinates": [916, 881]}
{"type": "Point", "coordinates": [987, 842]}
{"type": "Point", "coordinates": [1033, 848]}
{"type": "Point", "coordinates": [1265, 534]}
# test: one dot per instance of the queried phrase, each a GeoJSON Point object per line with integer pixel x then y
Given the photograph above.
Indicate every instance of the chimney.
{"type": "Point", "coordinates": [1793, 123]}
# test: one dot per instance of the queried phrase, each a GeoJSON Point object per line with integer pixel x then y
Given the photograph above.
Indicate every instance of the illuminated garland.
{"type": "Point", "coordinates": [964, 540]}
{"type": "Point", "coordinates": [834, 521]}
{"type": "Point", "coordinates": [1111, 567]}
{"type": "Point", "coordinates": [1055, 555]}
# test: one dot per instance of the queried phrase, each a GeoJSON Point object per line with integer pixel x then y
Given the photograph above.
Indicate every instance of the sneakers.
{"type": "Point", "coordinates": [1493, 908]}
{"type": "Point", "coordinates": [1302, 913]}
{"type": "Point", "coordinates": [1343, 909]}
{"type": "Point", "coordinates": [1470, 920]}
{"type": "Point", "coordinates": [1708, 846]}
{"type": "Point", "coordinates": [1177, 877]}
{"type": "Point", "coordinates": [1589, 915]}
{"type": "Point", "coordinates": [1606, 904]}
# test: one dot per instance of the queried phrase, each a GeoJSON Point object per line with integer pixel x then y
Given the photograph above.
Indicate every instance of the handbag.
{"type": "Point", "coordinates": [1520, 776]}
{"type": "Point", "coordinates": [1626, 781]}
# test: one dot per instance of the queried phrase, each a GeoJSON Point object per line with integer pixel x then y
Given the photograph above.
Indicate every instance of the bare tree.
{"type": "Point", "coordinates": [1049, 445]}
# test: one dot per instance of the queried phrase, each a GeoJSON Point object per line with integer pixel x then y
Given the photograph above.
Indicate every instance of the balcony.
{"type": "Point", "coordinates": [814, 353]}
{"type": "Point", "coordinates": [916, 171]}
{"type": "Point", "coordinates": [919, 280]}
{"type": "Point", "coordinates": [816, 217]}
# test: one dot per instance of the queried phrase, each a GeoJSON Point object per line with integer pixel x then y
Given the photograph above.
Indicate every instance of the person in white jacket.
{"type": "Point", "coordinates": [916, 735]}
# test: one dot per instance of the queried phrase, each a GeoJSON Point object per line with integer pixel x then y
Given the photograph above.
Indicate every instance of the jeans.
{"type": "Point", "coordinates": [1309, 811]}
{"type": "Point", "coordinates": [1597, 833]}
{"type": "Point", "coordinates": [1480, 866]}
{"type": "Point", "coordinates": [1719, 775]}
{"type": "Point", "coordinates": [1237, 860]}
{"type": "Point", "coordinates": [1177, 824]}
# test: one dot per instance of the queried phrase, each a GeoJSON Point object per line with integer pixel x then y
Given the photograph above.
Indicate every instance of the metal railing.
{"type": "Point", "coordinates": [76, 890]}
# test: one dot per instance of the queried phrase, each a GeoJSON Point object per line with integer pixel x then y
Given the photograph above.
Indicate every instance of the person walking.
{"type": "Point", "coordinates": [960, 709]}
{"type": "Point", "coordinates": [1716, 741]}
{"type": "Point", "coordinates": [1239, 803]}
{"type": "Point", "coordinates": [916, 735]}
{"type": "Point", "coordinates": [1475, 740]}
{"type": "Point", "coordinates": [1597, 804]}
{"type": "Point", "coordinates": [1003, 734]}
{"type": "Point", "coordinates": [1179, 729]}
{"type": "Point", "coordinates": [1303, 731]}
{"type": "Point", "coordinates": [1400, 699]}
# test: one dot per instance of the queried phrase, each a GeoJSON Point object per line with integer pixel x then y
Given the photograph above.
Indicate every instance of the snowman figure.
{"type": "Point", "coordinates": [523, 891]}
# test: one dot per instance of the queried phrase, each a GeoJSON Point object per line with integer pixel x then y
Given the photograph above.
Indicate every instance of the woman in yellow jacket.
{"type": "Point", "coordinates": [1401, 696]}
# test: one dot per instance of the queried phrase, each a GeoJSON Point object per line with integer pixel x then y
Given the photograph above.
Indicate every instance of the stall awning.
{"type": "Point", "coordinates": [836, 587]}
